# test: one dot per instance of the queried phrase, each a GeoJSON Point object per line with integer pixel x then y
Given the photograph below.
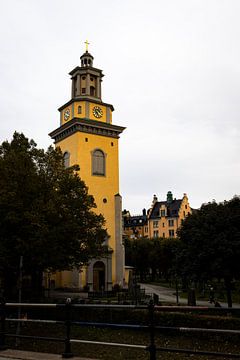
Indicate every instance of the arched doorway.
{"type": "Point", "coordinates": [99, 276]}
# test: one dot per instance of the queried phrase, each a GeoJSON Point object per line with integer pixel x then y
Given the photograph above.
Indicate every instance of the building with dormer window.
{"type": "Point", "coordinates": [135, 226]}
{"type": "Point", "coordinates": [162, 220]}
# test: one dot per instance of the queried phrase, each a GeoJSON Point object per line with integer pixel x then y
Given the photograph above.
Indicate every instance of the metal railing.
{"type": "Point", "coordinates": [151, 327]}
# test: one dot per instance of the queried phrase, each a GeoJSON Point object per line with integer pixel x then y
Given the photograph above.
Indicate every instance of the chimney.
{"type": "Point", "coordinates": [155, 199]}
{"type": "Point", "coordinates": [169, 197]}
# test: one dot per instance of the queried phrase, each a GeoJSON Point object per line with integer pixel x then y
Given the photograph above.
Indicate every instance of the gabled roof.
{"type": "Point", "coordinates": [172, 208]}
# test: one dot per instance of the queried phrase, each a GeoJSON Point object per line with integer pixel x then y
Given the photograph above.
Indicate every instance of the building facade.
{"type": "Point", "coordinates": [88, 138]}
{"type": "Point", "coordinates": [135, 226]}
{"type": "Point", "coordinates": [161, 221]}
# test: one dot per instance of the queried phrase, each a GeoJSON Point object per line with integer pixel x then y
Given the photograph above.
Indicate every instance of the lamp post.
{"type": "Point", "coordinates": [177, 293]}
{"type": "Point", "coordinates": [135, 274]}
{"type": "Point", "coordinates": [19, 297]}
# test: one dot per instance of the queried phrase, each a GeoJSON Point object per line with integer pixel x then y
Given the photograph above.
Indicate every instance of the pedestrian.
{"type": "Point", "coordinates": [211, 295]}
{"type": "Point", "coordinates": [216, 303]}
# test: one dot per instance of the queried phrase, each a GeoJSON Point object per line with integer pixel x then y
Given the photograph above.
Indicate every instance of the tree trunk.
{"type": "Point", "coordinates": [153, 275]}
{"type": "Point", "coordinates": [228, 285]}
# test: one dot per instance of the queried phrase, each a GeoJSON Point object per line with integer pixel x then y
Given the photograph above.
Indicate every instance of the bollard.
{"type": "Point", "coordinates": [67, 352]}
{"type": "Point", "coordinates": [3, 322]}
{"type": "Point", "coordinates": [152, 347]}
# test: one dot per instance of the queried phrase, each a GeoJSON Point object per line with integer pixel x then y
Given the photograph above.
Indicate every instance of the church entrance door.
{"type": "Point", "coordinates": [99, 276]}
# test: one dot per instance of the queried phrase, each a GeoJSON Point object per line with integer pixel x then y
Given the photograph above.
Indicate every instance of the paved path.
{"type": "Point", "coordinates": [169, 295]}
{"type": "Point", "coordinates": [28, 355]}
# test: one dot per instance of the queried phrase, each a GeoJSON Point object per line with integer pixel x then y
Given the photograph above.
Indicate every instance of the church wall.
{"type": "Point", "coordinates": [101, 187]}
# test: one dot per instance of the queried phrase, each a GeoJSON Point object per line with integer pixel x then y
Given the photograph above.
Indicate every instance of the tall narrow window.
{"type": "Point", "coordinates": [79, 109]}
{"type": "Point", "coordinates": [98, 163]}
{"type": "Point", "coordinates": [92, 90]}
{"type": "Point", "coordinates": [155, 224]}
{"type": "Point", "coordinates": [171, 233]}
{"type": "Point", "coordinates": [66, 159]}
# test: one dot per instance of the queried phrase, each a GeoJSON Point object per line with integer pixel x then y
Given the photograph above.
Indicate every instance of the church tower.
{"type": "Point", "coordinates": [88, 138]}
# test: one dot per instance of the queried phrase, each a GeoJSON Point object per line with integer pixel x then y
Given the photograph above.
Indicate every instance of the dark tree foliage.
{"type": "Point", "coordinates": [45, 213]}
{"type": "Point", "coordinates": [210, 241]}
{"type": "Point", "coordinates": [155, 256]}
{"type": "Point", "coordinates": [137, 255]}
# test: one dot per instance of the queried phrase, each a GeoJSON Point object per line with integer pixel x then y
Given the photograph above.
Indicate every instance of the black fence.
{"type": "Point", "coordinates": [151, 327]}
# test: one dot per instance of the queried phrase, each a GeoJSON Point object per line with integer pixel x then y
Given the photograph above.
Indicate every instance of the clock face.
{"type": "Point", "coordinates": [97, 112]}
{"type": "Point", "coordinates": [66, 114]}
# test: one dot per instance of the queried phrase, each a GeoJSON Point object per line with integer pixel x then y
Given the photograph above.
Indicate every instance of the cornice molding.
{"type": "Point", "coordinates": [86, 126]}
{"type": "Point", "coordinates": [86, 98]}
{"type": "Point", "coordinates": [85, 69]}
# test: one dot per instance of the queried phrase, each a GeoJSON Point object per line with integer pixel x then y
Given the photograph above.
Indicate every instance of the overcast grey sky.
{"type": "Point", "coordinates": [172, 72]}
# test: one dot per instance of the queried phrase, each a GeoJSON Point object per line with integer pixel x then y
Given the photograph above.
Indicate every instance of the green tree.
{"type": "Point", "coordinates": [137, 255]}
{"type": "Point", "coordinates": [156, 254]}
{"type": "Point", "coordinates": [45, 213]}
{"type": "Point", "coordinates": [166, 259]}
{"type": "Point", "coordinates": [210, 244]}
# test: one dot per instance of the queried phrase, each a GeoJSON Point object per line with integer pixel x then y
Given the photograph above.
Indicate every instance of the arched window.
{"type": "Point", "coordinates": [66, 159]}
{"type": "Point", "coordinates": [98, 163]}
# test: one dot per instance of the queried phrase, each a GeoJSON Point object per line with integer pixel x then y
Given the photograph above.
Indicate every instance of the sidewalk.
{"type": "Point", "coordinates": [28, 355]}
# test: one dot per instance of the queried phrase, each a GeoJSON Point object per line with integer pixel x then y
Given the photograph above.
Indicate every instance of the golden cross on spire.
{"type": "Point", "coordinates": [87, 43]}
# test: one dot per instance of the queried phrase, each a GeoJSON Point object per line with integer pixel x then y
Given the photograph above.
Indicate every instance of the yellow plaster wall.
{"type": "Point", "coordinates": [184, 210]}
{"type": "Point", "coordinates": [62, 279]}
{"type": "Point", "coordinates": [101, 187]}
{"type": "Point", "coordinates": [83, 105]}
{"type": "Point", "coordinates": [163, 226]}
{"type": "Point", "coordinates": [73, 108]}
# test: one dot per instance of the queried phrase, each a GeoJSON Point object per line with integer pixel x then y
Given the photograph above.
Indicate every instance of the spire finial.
{"type": "Point", "coordinates": [87, 43]}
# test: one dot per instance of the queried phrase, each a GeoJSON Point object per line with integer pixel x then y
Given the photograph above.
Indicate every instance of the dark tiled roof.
{"type": "Point", "coordinates": [138, 220]}
{"type": "Point", "coordinates": [172, 208]}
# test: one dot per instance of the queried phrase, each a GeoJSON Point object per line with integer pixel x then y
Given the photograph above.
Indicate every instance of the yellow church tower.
{"type": "Point", "coordinates": [88, 138]}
